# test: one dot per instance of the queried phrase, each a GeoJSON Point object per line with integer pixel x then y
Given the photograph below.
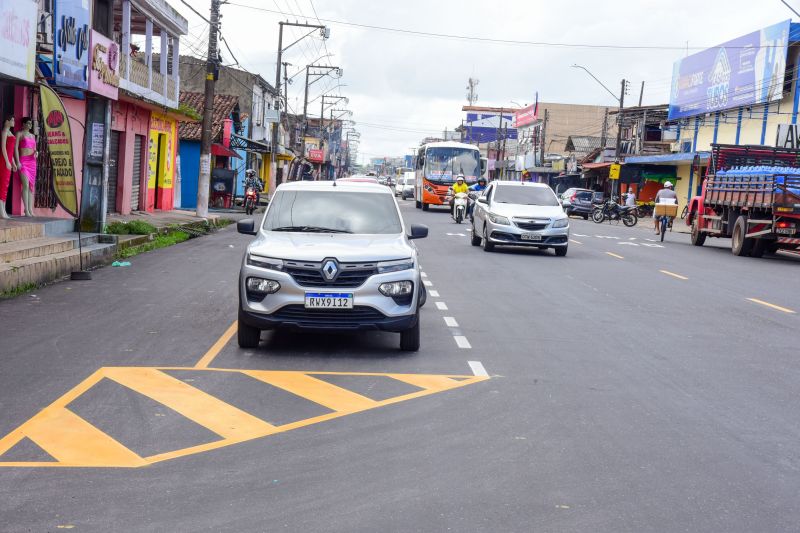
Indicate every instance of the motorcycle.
{"type": "Point", "coordinates": [250, 200]}
{"type": "Point", "coordinates": [614, 212]}
{"type": "Point", "coordinates": [459, 211]}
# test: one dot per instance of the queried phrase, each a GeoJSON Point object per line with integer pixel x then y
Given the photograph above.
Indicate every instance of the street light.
{"type": "Point", "coordinates": [600, 82]}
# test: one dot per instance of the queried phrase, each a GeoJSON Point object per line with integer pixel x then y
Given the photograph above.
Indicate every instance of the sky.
{"type": "Point", "coordinates": [402, 86]}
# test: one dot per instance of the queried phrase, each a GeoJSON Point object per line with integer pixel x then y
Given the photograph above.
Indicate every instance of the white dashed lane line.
{"type": "Point", "coordinates": [450, 322]}
{"type": "Point", "coordinates": [441, 306]}
{"type": "Point", "coordinates": [477, 368]}
{"type": "Point", "coordinates": [427, 283]}
{"type": "Point", "coordinates": [462, 342]}
{"type": "Point", "coordinates": [434, 294]}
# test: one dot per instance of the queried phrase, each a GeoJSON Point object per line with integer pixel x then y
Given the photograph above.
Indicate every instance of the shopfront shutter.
{"type": "Point", "coordinates": [113, 166]}
{"type": "Point", "coordinates": [138, 145]}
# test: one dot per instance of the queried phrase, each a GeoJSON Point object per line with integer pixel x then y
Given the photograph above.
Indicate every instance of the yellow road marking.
{"type": "Point", "coordinates": [773, 306]}
{"type": "Point", "coordinates": [223, 419]}
{"type": "Point", "coordinates": [674, 275]}
{"type": "Point", "coordinates": [74, 442]}
{"type": "Point", "coordinates": [316, 390]}
{"type": "Point", "coordinates": [217, 347]}
{"type": "Point", "coordinates": [576, 242]}
{"type": "Point", "coordinates": [612, 254]}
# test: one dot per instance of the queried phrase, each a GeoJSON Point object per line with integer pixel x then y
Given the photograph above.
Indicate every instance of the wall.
{"type": "Point", "coordinates": [190, 170]}
{"type": "Point", "coordinates": [130, 120]}
{"type": "Point", "coordinates": [571, 119]}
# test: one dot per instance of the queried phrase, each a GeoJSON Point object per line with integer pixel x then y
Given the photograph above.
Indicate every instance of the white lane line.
{"type": "Point", "coordinates": [423, 274]}
{"type": "Point", "coordinates": [576, 242]}
{"type": "Point", "coordinates": [434, 294]}
{"type": "Point", "coordinates": [580, 235]}
{"type": "Point", "coordinates": [456, 235]}
{"type": "Point", "coordinates": [462, 342]}
{"type": "Point", "coordinates": [427, 283]}
{"type": "Point", "coordinates": [477, 368]}
{"type": "Point", "coordinates": [441, 306]}
{"type": "Point", "coordinates": [450, 322]}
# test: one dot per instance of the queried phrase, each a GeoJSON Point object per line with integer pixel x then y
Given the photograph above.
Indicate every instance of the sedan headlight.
{"type": "Point", "coordinates": [497, 219]}
{"type": "Point", "coordinates": [396, 288]}
{"type": "Point", "coordinates": [261, 261]}
{"type": "Point", "coordinates": [262, 286]}
{"type": "Point", "coordinates": [395, 266]}
{"type": "Point", "coordinates": [561, 223]}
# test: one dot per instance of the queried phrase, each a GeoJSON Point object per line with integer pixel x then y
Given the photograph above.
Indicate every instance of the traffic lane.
{"type": "Point", "coordinates": [713, 263]}
{"type": "Point", "coordinates": [601, 365]}
{"type": "Point", "coordinates": [166, 308]}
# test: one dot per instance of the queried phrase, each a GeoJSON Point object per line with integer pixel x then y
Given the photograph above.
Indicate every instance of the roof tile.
{"type": "Point", "coordinates": [224, 105]}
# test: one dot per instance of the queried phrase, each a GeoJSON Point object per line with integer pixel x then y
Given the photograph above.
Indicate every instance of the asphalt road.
{"type": "Point", "coordinates": [634, 386]}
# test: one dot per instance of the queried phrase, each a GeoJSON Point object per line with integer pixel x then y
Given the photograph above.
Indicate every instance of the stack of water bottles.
{"type": "Point", "coordinates": [749, 172]}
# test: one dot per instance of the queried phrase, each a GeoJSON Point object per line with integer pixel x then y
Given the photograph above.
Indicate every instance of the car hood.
{"type": "Point", "coordinates": [341, 246]}
{"type": "Point", "coordinates": [533, 211]}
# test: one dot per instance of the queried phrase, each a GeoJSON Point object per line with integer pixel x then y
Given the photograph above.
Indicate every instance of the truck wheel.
{"type": "Point", "coordinates": [741, 245]}
{"type": "Point", "coordinates": [759, 247]}
{"type": "Point", "coordinates": [773, 247]}
{"type": "Point", "coordinates": [698, 237]}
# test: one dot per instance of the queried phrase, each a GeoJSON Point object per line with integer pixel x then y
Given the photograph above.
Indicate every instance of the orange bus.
{"type": "Point", "coordinates": [438, 164]}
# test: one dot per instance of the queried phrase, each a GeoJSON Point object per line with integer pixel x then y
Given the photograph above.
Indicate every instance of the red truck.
{"type": "Point", "coordinates": [752, 195]}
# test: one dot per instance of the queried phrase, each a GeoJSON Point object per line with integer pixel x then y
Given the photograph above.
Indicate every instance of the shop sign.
{"type": "Point", "coordinates": [526, 116]}
{"type": "Point", "coordinates": [746, 71]}
{"type": "Point", "coordinates": [59, 144]}
{"type": "Point", "coordinates": [18, 38]}
{"type": "Point", "coordinates": [788, 136]}
{"type": "Point", "coordinates": [72, 43]}
{"type": "Point", "coordinates": [317, 156]}
{"type": "Point", "coordinates": [613, 171]}
{"type": "Point", "coordinates": [104, 61]}
{"type": "Point", "coordinates": [162, 147]}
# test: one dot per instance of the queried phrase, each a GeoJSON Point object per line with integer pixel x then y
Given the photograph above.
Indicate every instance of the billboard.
{"type": "Point", "coordinates": [18, 38]}
{"type": "Point", "coordinates": [72, 43]}
{"type": "Point", "coordinates": [488, 126]}
{"type": "Point", "coordinates": [745, 71]}
{"type": "Point", "coordinates": [526, 116]}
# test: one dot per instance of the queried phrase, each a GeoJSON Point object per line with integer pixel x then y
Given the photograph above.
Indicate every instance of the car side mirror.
{"type": "Point", "coordinates": [483, 200]}
{"type": "Point", "coordinates": [246, 226]}
{"type": "Point", "coordinates": [484, 163]}
{"type": "Point", "coordinates": [418, 231]}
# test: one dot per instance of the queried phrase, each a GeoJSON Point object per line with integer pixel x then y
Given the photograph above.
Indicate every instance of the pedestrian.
{"type": "Point", "coordinates": [630, 200]}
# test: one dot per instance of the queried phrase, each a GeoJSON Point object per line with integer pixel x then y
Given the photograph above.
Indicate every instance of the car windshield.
{"type": "Point", "coordinates": [333, 211]}
{"type": "Point", "coordinates": [525, 196]}
{"type": "Point", "coordinates": [444, 164]}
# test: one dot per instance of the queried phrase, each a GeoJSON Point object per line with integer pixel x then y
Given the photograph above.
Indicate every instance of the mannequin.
{"type": "Point", "coordinates": [26, 161]}
{"type": "Point", "coordinates": [8, 163]}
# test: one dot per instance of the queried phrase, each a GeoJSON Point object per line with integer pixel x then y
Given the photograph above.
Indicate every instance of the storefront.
{"type": "Point", "coordinates": [162, 146]}
{"type": "Point", "coordinates": [648, 173]}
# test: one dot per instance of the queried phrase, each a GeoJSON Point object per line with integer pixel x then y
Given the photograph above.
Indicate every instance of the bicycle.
{"type": "Point", "coordinates": [665, 213]}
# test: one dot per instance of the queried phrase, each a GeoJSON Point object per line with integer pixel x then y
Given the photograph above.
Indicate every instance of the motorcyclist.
{"type": "Point", "coordinates": [459, 186]}
{"type": "Point", "coordinates": [250, 180]}
{"type": "Point", "coordinates": [477, 188]}
{"type": "Point", "coordinates": [665, 195]}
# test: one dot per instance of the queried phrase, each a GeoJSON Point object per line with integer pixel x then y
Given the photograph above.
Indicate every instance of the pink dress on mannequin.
{"type": "Point", "coordinates": [27, 163]}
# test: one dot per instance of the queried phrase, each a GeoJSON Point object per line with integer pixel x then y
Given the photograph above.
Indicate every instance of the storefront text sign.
{"type": "Point", "coordinates": [18, 38]}
{"type": "Point", "coordinates": [161, 156]}
{"type": "Point", "coordinates": [59, 144]}
{"type": "Point", "coordinates": [72, 43]}
{"type": "Point", "coordinates": [613, 171]}
{"type": "Point", "coordinates": [103, 74]}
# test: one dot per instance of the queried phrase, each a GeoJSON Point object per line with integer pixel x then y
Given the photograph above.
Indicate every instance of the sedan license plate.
{"type": "Point", "coordinates": [329, 300]}
{"type": "Point", "coordinates": [531, 237]}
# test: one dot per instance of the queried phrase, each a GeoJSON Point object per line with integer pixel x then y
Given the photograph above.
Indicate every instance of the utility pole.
{"type": "Point", "coordinates": [624, 85]}
{"type": "Point", "coordinates": [604, 132]}
{"type": "Point", "coordinates": [286, 86]}
{"type": "Point", "coordinates": [641, 94]}
{"type": "Point", "coordinates": [204, 177]}
{"type": "Point", "coordinates": [544, 132]}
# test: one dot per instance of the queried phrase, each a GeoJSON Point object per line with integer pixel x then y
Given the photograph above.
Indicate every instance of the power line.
{"type": "Point", "coordinates": [499, 41]}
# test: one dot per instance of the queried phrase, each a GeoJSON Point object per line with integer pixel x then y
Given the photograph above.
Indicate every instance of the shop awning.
{"type": "Point", "coordinates": [248, 145]}
{"type": "Point", "coordinates": [669, 159]}
{"type": "Point", "coordinates": [591, 166]}
{"type": "Point", "coordinates": [221, 151]}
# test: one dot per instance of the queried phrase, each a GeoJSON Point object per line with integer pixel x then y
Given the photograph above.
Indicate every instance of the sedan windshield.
{"type": "Point", "coordinates": [525, 196]}
{"type": "Point", "coordinates": [332, 212]}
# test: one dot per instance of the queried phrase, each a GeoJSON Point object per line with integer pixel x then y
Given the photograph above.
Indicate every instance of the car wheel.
{"type": "Point", "coordinates": [487, 246]}
{"type": "Point", "coordinates": [561, 251]}
{"type": "Point", "coordinates": [474, 240]}
{"type": "Point", "coordinates": [248, 336]}
{"type": "Point", "coordinates": [409, 339]}
{"type": "Point", "coordinates": [423, 295]}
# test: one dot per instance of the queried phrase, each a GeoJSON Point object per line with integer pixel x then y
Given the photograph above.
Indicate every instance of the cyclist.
{"type": "Point", "coordinates": [665, 195]}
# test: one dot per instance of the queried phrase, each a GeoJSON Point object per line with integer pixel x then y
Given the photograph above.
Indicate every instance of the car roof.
{"type": "Point", "coordinates": [521, 184]}
{"type": "Point", "coordinates": [335, 186]}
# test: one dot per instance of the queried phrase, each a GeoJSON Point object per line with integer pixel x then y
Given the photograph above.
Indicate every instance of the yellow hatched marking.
{"type": "Point", "coordinates": [427, 382]}
{"type": "Point", "coordinates": [316, 390]}
{"type": "Point", "coordinates": [217, 347]}
{"type": "Point", "coordinates": [73, 441]}
{"type": "Point", "coordinates": [196, 405]}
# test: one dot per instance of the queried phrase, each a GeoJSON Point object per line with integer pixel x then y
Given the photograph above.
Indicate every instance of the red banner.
{"type": "Point", "coordinates": [316, 156]}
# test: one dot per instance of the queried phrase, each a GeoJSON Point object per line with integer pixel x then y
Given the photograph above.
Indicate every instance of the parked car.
{"type": "Point", "coordinates": [511, 213]}
{"type": "Point", "coordinates": [577, 202]}
{"type": "Point", "coordinates": [358, 178]}
{"type": "Point", "coordinates": [331, 257]}
{"type": "Point", "coordinates": [405, 187]}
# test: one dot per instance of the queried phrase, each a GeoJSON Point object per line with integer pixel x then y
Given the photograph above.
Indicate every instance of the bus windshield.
{"type": "Point", "coordinates": [442, 165]}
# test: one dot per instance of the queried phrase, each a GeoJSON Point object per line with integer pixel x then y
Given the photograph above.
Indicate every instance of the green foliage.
{"type": "Point", "coordinates": [140, 227]}
{"type": "Point", "coordinates": [118, 228]}
{"type": "Point", "coordinates": [17, 291]}
{"type": "Point", "coordinates": [189, 111]}
{"type": "Point", "coordinates": [160, 241]}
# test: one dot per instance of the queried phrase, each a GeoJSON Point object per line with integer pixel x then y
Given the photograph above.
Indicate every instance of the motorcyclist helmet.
{"type": "Point", "coordinates": [482, 180]}
{"type": "Point", "coordinates": [249, 172]}
{"type": "Point", "coordinates": [460, 177]}
{"type": "Point", "coordinates": [668, 184]}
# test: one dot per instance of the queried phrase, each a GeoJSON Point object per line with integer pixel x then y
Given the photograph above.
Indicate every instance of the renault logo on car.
{"type": "Point", "coordinates": [330, 269]}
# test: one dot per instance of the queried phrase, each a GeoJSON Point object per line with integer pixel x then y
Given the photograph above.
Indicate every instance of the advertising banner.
{"type": "Point", "coordinates": [488, 127]}
{"type": "Point", "coordinates": [317, 156]}
{"type": "Point", "coordinates": [59, 144]}
{"type": "Point", "coordinates": [163, 141]}
{"type": "Point", "coordinates": [72, 43]}
{"type": "Point", "coordinates": [103, 74]}
{"type": "Point", "coordinates": [18, 38]}
{"type": "Point", "coordinates": [742, 72]}
{"type": "Point", "coordinates": [525, 116]}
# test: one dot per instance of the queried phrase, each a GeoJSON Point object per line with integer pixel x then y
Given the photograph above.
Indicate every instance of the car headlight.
{"type": "Point", "coordinates": [561, 223]}
{"type": "Point", "coordinates": [395, 266]}
{"type": "Point", "coordinates": [497, 219]}
{"type": "Point", "coordinates": [261, 261]}
{"type": "Point", "coordinates": [263, 286]}
{"type": "Point", "coordinates": [396, 288]}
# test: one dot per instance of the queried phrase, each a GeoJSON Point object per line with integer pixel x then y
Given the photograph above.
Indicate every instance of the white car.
{"type": "Point", "coordinates": [405, 186]}
{"type": "Point", "coordinates": [331, 256]}
{"type": "Point", "coordinates": [513, 213]}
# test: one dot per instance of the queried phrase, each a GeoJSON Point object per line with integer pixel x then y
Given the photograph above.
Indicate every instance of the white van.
{"type": "Point", "coordinates": [405, 186]}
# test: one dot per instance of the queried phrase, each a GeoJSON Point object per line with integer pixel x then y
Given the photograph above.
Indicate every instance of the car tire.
{"type": "Point", "coordinates": [474, 240]}
{"type": "Point", "coordinates": [487, 246]}
{"type": "Point", "coordinates": [410, 338]}
{"type": "Point", "coordinates": [248, 336]}
{"type": "Point", "coordinates": [561, 251]}
{"type": "Point", "coordinates": [423, 295]}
